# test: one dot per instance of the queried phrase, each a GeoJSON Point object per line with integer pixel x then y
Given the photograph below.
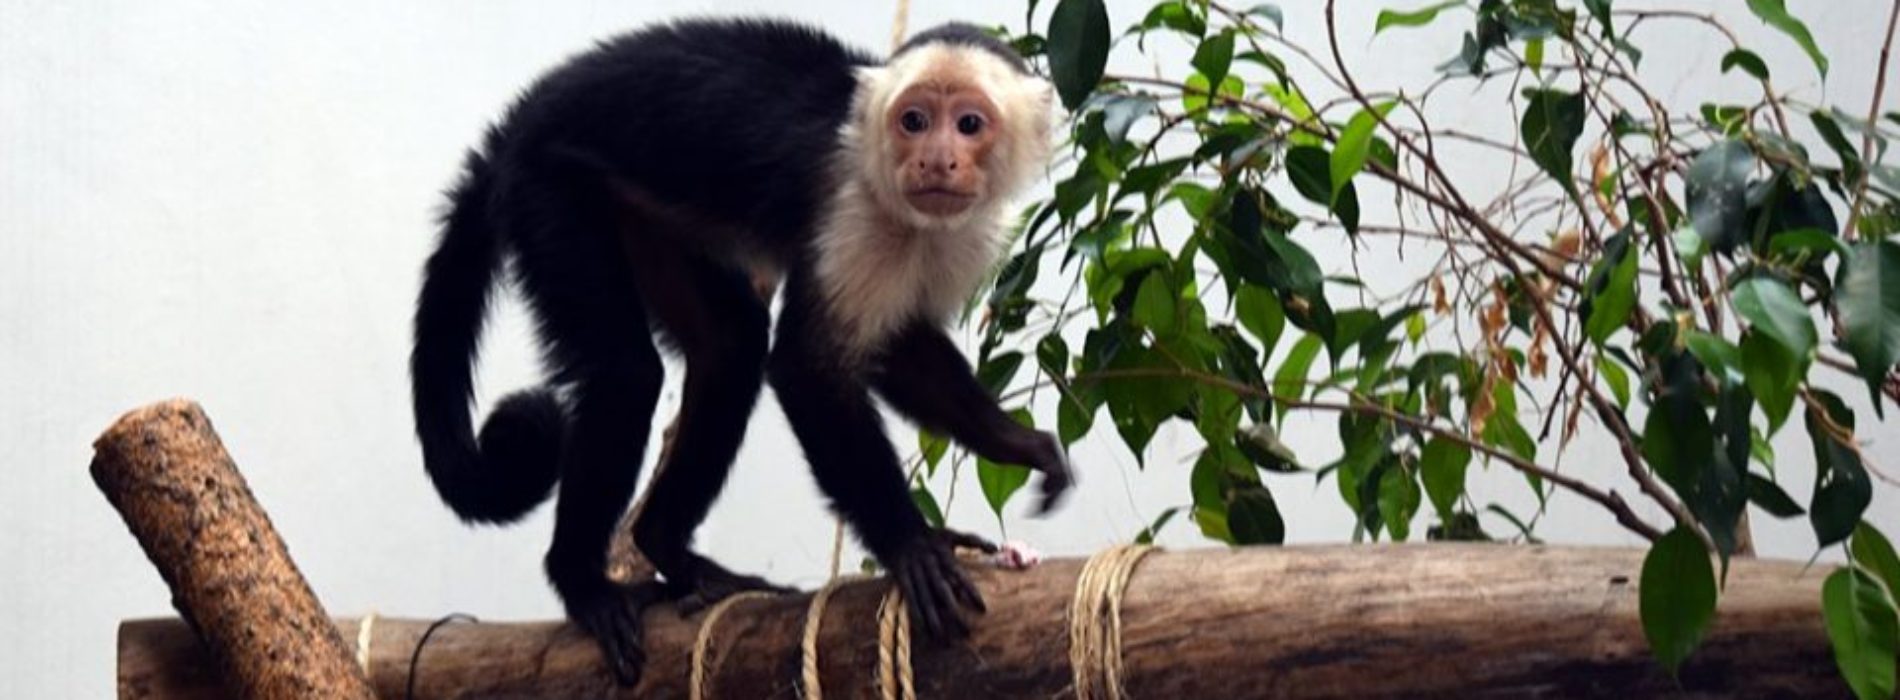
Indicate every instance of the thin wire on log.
{"type": "Point", "coordinates": [701, 678]}
{"type": "Point", "coordinates": [415, 657]}
{"type": "Point", "coordinates": [1095, 621]}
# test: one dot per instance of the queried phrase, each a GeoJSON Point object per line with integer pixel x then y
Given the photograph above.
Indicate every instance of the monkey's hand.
{"type": "Point", "coordinates": [611, 614]}
{"type": "Point", "coordinates": [1048, 457]}
{"type": "Point", "coordinates": [926, 571]}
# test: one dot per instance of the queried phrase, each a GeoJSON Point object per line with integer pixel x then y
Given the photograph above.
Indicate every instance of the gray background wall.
{"type": "Point", "coordinates": [230, 201]}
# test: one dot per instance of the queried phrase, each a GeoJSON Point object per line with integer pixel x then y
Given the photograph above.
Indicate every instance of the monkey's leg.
{"type": "Point", "coordinates": [721, 327]}
{"type": "Point", "coordinates": [831, 412]}
{"type": "Point", "coordinates": [597, 342]}
{"type": "Point", "coordinates": [927, 379]}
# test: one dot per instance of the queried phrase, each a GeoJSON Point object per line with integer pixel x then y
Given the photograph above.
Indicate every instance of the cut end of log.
{"type": "Point", "coordinates": [167, 473]}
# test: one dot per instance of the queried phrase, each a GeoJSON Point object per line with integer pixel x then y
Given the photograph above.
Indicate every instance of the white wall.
{"type": "Point", "coordinates": [230, 201]}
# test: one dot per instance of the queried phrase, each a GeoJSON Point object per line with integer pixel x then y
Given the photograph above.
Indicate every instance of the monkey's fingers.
{"type": "Point", "coordinates": [1055, 484]}
{"type": "Point", "coordinates": [914, 579]}
{"type": "Point", "coordinates": [613, 620]}
{"type": "Point", "coordinates": [958, 538]}
{"type": "Point", "coordinates": [965, 591]}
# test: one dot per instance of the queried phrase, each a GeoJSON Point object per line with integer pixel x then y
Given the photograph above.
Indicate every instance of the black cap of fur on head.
{"type": "Point", "coordinates": [965, 34]}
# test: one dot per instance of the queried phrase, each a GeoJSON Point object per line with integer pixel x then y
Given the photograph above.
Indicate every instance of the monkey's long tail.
{"type": "Point", "coordinates": [515, 463]}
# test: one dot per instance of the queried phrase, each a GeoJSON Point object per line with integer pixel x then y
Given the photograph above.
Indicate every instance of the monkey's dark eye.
{"type": "Point", "coordinates": [969, 124]}
{"type": "Point", "coordinates": [913, 121]}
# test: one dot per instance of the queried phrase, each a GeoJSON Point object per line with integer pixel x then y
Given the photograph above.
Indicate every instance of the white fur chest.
{"type": "Point", "coordinates": [879, 274]}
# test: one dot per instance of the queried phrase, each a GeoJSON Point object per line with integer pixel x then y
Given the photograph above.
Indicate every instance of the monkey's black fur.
{"type": "Point", "coordinates": [964, 34]}
{"type": "Point", "coordinates": [623, 184]}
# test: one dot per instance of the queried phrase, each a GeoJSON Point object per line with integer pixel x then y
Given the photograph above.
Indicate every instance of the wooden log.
{"type": "Point", "coordinates": [1299, 622]}
{"type": "Point", "coordinates": [165, 471]}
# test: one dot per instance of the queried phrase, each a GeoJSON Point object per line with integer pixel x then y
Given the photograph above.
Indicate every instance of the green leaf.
{"type": "Point", "coordinates": [1721, 357]}
{"type": "Point", "coordinates": [1553, 120]}
{"type": "Point", "coordinates": [933, 447]}
{"type": "Point", "coordinates": [999, 482]}
{"type": "Point", "coordinates": [1155, 305]}
{"type": "Point", "coordinates": [1441, 465]}
{"type": "Point", "coordinates": [1873, 552]}
{"type": "Point", "coordinates": [1771, 306]}
{"type": "Point", "coordinates": [1214, 56]}
{"type": "Point", "coordinates": [1253, 517]}
{"type": "Point", "coordinates": [1261, 444]}
{"type": "Point", "coordinates": [996, 374]}
{"type": "Point", "coordinates": [1398, 502]}
{"type": "Point", "coordinates": [1073, 419]}
{"type": "Point", "coordinates": [1813, 243]}
{"type": "Point", "coordinates": [1177, 16]}
{"type": "Point", "coordinates": [1678, 441]}
{"type": "Point", "coordinates": [1523, 528]}
{"type": "Point", "coordinates": [1414, 18]}
{"type": "Point", "coordinates": [1617, 379]}
{"type": "Point", "coordinates": [1534, 56]}
{"type": "Point", "coordinates": [1717, 193]}
{"type": "Point", "coordinates": [1768, 496]}
{"type": "Point", "coordinates": [1349, 155]}
{"type": "Point", "coordinates": [1271, 13]}
{"type": "Point", "coordinates": [1831, 133]}
{"type": "Point", "coordinates": [1148, 534]}
{"type": "Point", "coordinates": [1260, 313]}
{"type": "Point", "coordinates": [1078, 48]}
{"type": "Point", "coordinates": [1747, 61]}
{"type": "Point", "coordinates": [1310, 170]}
{"type": "Point", "coordinates": [1869, 303]}
{"type": "Point", "coordinates": [1842, 491]}
{"type": "Point", "coordinates": [1289, 384]}
{"type": "Point", "coordinates": [1120, 112]}
{"type": "Point", "coordinates": [1052, 355]}
{"type": "Point", "coordinates": [1863, 631]}
{"type": "Point", "coordinates": [927, 505]}
{"type": "Point", "coordinates": [1676, 596]}
{"type": "Point", "coordinates": [1772, 374]}
{"type": "Point", "coordinates": [1200, 90]}
{"type": "Point", "coordinates": [1611, 305]}
{"type": "Point", "coordinates": [1776, 15]}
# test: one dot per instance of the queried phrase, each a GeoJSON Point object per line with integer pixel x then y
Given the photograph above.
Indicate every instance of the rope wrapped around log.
{"type": "Point", "coordinates": [1326, 621]}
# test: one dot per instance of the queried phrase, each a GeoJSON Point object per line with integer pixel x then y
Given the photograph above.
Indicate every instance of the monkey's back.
{"type": "Point", "coordinates": [675, 109]}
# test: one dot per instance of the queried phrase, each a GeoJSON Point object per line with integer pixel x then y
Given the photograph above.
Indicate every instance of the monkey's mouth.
{"type": "Point", "coordinates": [939, 200]}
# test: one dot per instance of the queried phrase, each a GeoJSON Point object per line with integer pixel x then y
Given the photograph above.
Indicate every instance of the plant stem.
{"type": "Point", "coordinates": [1873, 124]}
{"type": "Point", "coordinates": [1626, 442]}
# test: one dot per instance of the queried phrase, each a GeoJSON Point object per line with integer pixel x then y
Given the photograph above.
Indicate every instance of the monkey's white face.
{"type": "Point", "coordinates": [942, 133]}
{"type": "Point", "coordinates": [947, 133]}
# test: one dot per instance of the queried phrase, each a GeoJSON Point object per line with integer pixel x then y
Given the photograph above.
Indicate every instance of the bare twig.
{"type": "Point", "coordinates": [1873, 121]}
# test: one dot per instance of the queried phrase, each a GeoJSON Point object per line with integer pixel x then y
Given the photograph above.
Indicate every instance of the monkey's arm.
{"type": "Point", "coordinates": [925, 377]}
{"type": "Point", "coordinates": [843, 437]}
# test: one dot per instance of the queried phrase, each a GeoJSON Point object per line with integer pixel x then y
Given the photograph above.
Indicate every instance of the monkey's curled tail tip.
{"type": "Point", "coordinates": [514, 465]}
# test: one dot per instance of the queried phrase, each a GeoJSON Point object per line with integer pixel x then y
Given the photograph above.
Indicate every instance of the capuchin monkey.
{"type": "Point", "coordinates": [639, 189]}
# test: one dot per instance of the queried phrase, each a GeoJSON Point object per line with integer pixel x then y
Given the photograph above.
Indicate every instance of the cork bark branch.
{"type": "Point", "coordinates": [1333, 621]}
{"type": "Point", "coordinates": [164, 469]}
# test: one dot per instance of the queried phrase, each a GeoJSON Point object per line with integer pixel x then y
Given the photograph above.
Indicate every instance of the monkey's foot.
{"type": "Point", "coordinates": [933, 584]}
{"type": "Point", "coordinates": [713, 583]}
{"type": "Point", "coordinates": [611, 614]}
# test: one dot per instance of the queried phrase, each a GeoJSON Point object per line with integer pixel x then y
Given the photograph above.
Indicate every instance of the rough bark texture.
{"type": "Point", "coordinates": [164, 469]}
{"type": "Point", "coordinates": [1337, 621]}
